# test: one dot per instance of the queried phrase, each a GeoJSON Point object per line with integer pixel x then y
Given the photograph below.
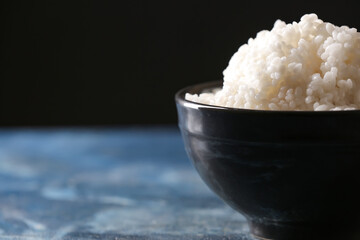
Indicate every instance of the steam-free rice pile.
{"type": "Point", "coordinates": [309, 65]}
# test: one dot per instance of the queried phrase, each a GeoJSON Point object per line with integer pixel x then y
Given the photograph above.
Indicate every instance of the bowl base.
{"type": "Point", "coordinates": [272, 231]}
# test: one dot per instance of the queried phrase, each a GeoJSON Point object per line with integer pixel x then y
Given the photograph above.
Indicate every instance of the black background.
{"type": "Point", "coordinates": [120, 62]}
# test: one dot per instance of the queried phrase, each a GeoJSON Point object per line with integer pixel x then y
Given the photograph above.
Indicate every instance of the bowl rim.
{"type": "Point", "coordinates": [180, 99]}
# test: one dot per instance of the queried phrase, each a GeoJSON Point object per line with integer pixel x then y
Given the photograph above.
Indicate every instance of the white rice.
{"type": "Point", "coordinates": [310, 65]}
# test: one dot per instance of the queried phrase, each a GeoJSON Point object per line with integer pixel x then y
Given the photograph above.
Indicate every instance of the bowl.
{"type": "Point", "coordinates": [292, 174]}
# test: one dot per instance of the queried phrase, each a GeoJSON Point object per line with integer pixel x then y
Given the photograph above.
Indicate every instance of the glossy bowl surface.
{"type": "Point", "coordinates": [292, 174]}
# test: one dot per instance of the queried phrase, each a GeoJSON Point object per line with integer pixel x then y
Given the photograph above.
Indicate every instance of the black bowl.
{"type": "Point", "coordinates": [292, 174]}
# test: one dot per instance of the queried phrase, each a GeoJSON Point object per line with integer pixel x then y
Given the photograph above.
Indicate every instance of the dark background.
{"type": "Point", "coordinates": [120, 62]}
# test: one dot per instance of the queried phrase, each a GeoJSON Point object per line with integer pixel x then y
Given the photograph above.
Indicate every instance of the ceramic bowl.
{"type": "Point", "coordinates": [292, 174]}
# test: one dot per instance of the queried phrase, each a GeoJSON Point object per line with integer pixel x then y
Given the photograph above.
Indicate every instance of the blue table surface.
{"type": "Point", "coordinates": [134, 183]}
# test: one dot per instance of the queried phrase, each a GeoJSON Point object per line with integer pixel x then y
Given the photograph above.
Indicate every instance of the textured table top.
{"type": "Point", "coordinates": [132, 183]}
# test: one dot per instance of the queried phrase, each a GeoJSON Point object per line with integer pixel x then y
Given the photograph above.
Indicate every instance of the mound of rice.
{"type": "Point", "coordinates": [310, 65]}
